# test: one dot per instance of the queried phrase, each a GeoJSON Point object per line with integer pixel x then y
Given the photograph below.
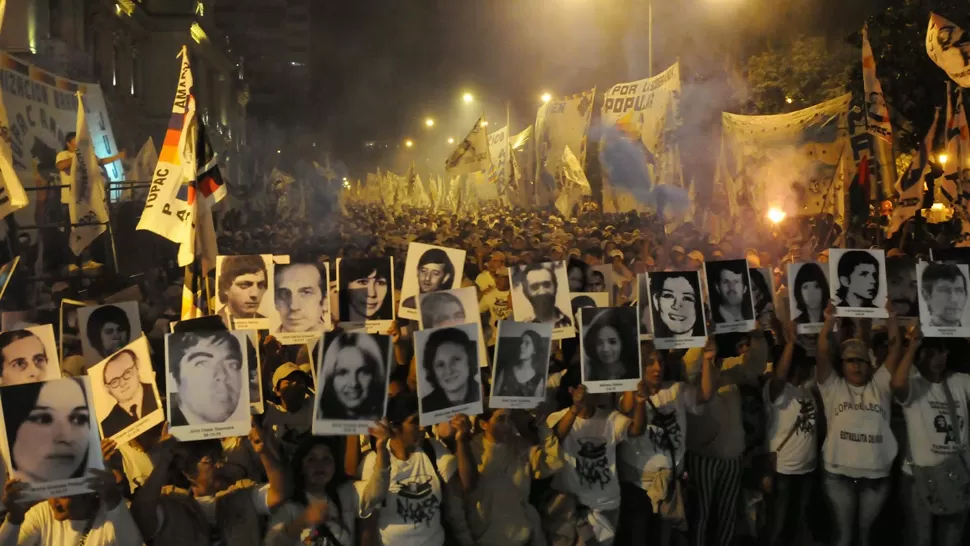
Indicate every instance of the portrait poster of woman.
{"type": "Point", "coordinates": [450, 308]}
{"type": "Point", "coordinates": [126, 399]}
{"type": "Point", "coordinates": [677, 306]}
{"type": "Point", "coordinates": [365, 294]}
{"type": "Point", "coordinates": [808, 295]}
{"type": "Point", "coordinates": [609, 349]}
{"type": "Point", "coordinates": [351, 378]}
{"type": "Point", "coordinates": [105, 329]}
{"type": "Point", "coordinates": [50, 439]}
{"type": "Point", "coordinates": [521, 365]}
{"type": "Point", "coordinates": [448, 378]}
{"type": "Point", "coordinates": [644, 314]}
{"type": "Point", "coordinates": [762, 290]}
{"type": "Point", "coordinates": [428, 269]}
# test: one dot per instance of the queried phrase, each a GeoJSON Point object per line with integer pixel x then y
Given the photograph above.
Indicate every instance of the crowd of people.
{"type": "Point", "coordinates": [762, 437]}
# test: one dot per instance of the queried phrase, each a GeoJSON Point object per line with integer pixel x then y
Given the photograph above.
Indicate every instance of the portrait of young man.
{"type": "Point", "coordinates": [433, 271]}
{"type": "Point", "coordinates": [943, 289]}
{"type": "Point", "coordinates": [208, 378]}
{"type": "Point", "coordinates": [858, 279]}
{"type": "Point", "coordinates": [301, 297]}
{"type": "Point", "coordinates": [242, 282]}
{"type": "Point", "coordinates": [133, 398]}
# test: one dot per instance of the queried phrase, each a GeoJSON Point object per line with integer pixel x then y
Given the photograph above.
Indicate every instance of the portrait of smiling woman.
{"type": "Point", "coordinates": [678, 310]}
{"type": "Point", "coordinates": [611, 344]}
{"type": "Point", "coordinates": [366, 290]}
{"type": "Point", "coordinates": [49, 429]}
{"type": "Point", "coordinates": [353, 377]}
{"type": "Point", "coordinates": [449, 365]}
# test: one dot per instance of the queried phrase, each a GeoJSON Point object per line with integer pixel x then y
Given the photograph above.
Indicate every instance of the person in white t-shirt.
{"type": "Point", "coordinates": [792, 418]}
{"type": "Point", "coordinates": [404, 490]}
{"type": "Point", "coordinates": [859, 446]}
{"type": "Point", "coordinates": [65, 160]}
{"type": "Point", "coordinates": [649, 464]}
{"type": "Point", "coordinates": [931, 438]}
{"type": "Point", "coordinates": [588, 433]}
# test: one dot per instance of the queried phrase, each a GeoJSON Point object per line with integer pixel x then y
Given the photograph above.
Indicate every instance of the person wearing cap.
{"type": "Point", "coordinates": [291, 419]}
{"type": "Point", "coordinates": [859, 446]}
{"type": "Point", "coordinates": [486, 279]}
{"type": "Point", "coordinates": [677, 258]}
{"type": "Point", "coordinates": [695, 260]}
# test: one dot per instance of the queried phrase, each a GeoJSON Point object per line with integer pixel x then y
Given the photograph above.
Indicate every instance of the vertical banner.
{"type": "Point", "coordinates": [645, 113]}
{"type": "Point", "coordinates": [500, 170]}
{"type": "Point", "coordinates": [88, 200]}
{"type": "Point", "coordinates": [877, 112]}
{"type": "Point", "coordinates": [559, 124]}
{"type": "Point", "coordinates": [948, 47]}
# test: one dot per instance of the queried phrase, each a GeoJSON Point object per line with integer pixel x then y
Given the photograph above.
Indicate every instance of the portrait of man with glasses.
{"type": "Point", "coordinates": [133, 399]}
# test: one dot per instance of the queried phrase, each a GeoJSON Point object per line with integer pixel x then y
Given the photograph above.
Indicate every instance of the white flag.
{"type": "Point", "coordinates": [957, 139]}
{"type": "Point", "coordinates": [949, 47]}
{"type": "Point", "coordinates": [88, 200]}
{"type": "Point", "coordinates": [571, 182]}
{"type": "Point", "coordinates": [471, 155]}
{"type": "Point", "coordinates": [910, 184]}
{"type": "Point", "coordinates": [520, 140]}
{"type": "Point", "coordinates": [141, 169]}
{"type": "Point", "coordinates": [12, 195]}
{"type": "Point", "coordinates": [877, 112]}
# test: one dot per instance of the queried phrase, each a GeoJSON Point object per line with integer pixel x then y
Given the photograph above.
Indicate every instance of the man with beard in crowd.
{"type": "Point", "coordinates": [540, 288]}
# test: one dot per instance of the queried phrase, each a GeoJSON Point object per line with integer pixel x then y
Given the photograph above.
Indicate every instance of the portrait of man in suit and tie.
{"type": "Point", "coordinates": [133, 399]}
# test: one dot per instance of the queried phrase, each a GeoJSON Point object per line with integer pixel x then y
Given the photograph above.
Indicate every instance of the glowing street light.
{"type": "Point", "coordinates": [546, 97]}
{"type": "Point", "coordinates": [451, 140]}
{"type": "Point", "coordinates": [278, 151]}
{"type": "Point", "coordinates": [776, 215]}
{"type": "Point", "coordinates": [345, 179]}
{"type": "Point", "coordinates": [429, 122]}
{"type": "Point", "coordinates": [408, 143]}
{"type": "Point", "coordinates": [468, 98]}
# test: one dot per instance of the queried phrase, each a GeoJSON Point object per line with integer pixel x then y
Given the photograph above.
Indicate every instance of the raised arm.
{"type": "Point", "coordinates": [352, 456]}
{"type": "Point", "coordinates": [467, 469]}
{"type": "Point", "coordinates": [777, 383]}
{"type": "Point", "coordinates": [900, 380]}
{"type": "Point", "coordinates": [895, 341]}
{"type": "Point", "coordinates": [275, 474]}
{"type": "Point", "coordinates": [823, 364]}
{"type": "Point", "coordinates": [377, 483]}
{"type": "Point", "coordinates": [639, 423]}
{"type": "Point", "coordinates": [565, 424]}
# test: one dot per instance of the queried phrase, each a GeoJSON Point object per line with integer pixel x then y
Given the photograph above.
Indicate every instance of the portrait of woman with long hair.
{"type": "Point", "coordinates": [523, 358]}
{"type": "Point", "coordinates": [809, 293]}
{"type": "Point", "coordinates": [611, 344]}
{"type": "Point", "coordinates": [352, 377]}
{"type": "Point", "coordinates": [678, 310]}
{"type": "Point", "coordinates": [366, 290]}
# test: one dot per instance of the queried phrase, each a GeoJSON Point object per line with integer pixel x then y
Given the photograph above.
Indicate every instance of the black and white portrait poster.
{"type": "Point", "coordinates": [601, 280]}
{"type": "Point", "coordinates": [610, 349]}
{"type": "Point", "coordinates": [28, 355]}
{"type": "Point", "coordinates": [448, 378]}
{"type": "Point", "coordinates": [943, 299]}
{"type": "Point", "coordinates": [808, 295]}
{"type": "Point", "coordinates": [729, 287]}
{"type": "Point", "coordinates": [762, 290]}
{"type": "Point", "coordinates": [301, 300]}
{"type": "Point", "coordinates": [581, 300]}
{"type": "Point", "coordinates": [644, 314]}
{"type": "Point", "coordinates": [208, 384]}
{"type": "Point", "coordinates": [903, 288]}
{"type": "Point", "coordinates": [126, 399]}
{"type": "Point", "coordinates": [521, 365]}
{"type": "Point", "coordinates": [451, 308]}
{"type": "Point", "coordinates": [50, 439]}
{"type": "Point", "coordinates": [105, 329]}
{"type": "Point", "coordinates": [255, 372]}
{"type": "Point", "coordinates": [429, 269]}
{"type": "Point", "coordinates": [351, 382]}
{"type": "Point", "coordinates": [540, 294]}
{"type": "Point", "coordinates": [858, 282]}
{"type": "Point", "coordinates": [69, 339]}
{"type": "Point", "coordinates": [365, 294]}
{"type": "Point", "coordinates": [677, 306]}
{"type": "Point", "coordinates": [242, 283]}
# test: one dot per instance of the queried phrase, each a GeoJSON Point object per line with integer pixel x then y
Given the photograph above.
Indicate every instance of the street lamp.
{"type": "Point", "coordinates": [546, 97]}
{"type": "Point", "coordinates": [451, 140]}
{"type": "Point", "coordinates": [468, 98]}
{"type": "Point", "coordinates": [429, 122]}
{"type": "Point", "coordinates": [408, 143]}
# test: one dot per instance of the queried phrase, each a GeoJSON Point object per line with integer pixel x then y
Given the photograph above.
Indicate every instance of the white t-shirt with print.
{"type": "Point", "coordinates": [859, 442]}
{"type": "Point", "coordinates": [113, 528]}
{"type": "Point", "coordinates": [929, 424]}
{"type": "Point", "coordinates": [795, 407]}
{"type": "Point", "coordinates": [411, 513]}
{"type": "Point", "coordinates": [666, 428]}
{"type": "Point", "coordinates": [589, 452]}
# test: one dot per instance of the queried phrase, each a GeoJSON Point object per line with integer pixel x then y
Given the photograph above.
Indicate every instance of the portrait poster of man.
{"type": "Point", "coordinates": [521, 365]}
{"type": "Point", "coordinates": [609, 349]}
{"type": "Point", "coordinates": [53, 464]}
{"type": "Point", "coordinates": [208, 384]}
{"type": "Point", "coordinates": [644, 313]}
{"type": "Point", "coordinates": [729, 287]}
{"type": "Point", "coordinates": [301, 300]}
{"type": "Point", "coordinates": [943, 299]}
{"type": "Point", "coordinates": [106, 329]}
{"type": "Point", "coordinates": [365, 294]}
{"type": "Point", "coordinates": [451, 308]}
{"type": "Point", "coordinates": [601, 279]}
{"type": "Point", "coordinates": [677, 306]}
{"type": "Point", "coordinates": [241, 286]}
{"type": "Point", "coordinates": [540, 294]}
{"type": "Point", "coordinates": [28, 355]}
{"type": "Point", "coordinates": [858, 282]}
{"type": "Point", "coordinates": [352, 377]}
{"type": "Point", "coordinates": [762, 290]}
{"type": "Point", "coordinates": [808, 296]}
{"type": "Point", "coordinates": [126, 399]}
{"type": "Point", "coordinates": [581, 300]}
{"type": "Point", "coordinates": [448, 380]}
{"type": "Point", "coordinates": [429, 269]}
{"type": "Point", "coordinates": [903, 288]}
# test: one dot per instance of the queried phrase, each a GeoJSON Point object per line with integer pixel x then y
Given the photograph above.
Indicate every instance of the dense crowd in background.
{"type": "Point", "coordinates": [724, 444]}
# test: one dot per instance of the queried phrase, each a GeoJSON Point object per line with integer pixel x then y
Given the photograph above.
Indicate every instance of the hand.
{"type": "Point", "coordinates": [317, 513]}
{"type": "Point", "coordinates": [462, 427]}
{"type": "Point", "coordinates": [829, 311]}
{"type": "Point", "coordinates": [641, 392]}
{"type": "Point", "coordinates": [109, 451]}
{"type": "Point", "coordinates": [710, 350]}
{"type": "Point", "coordinates": [381, 431]}
{"type": "Point", "coordinates": [103, 483]}
{"type": "Point", "coordinates": [13, 500]}
{"type": "Point", "coordinates": [395, 332]}
{"type": "Point", "coordinates": [914, 334]}
{"type": "Point", "coordinates": [579, 398]}
{"type": "Point", "coordinates": [256, 439]}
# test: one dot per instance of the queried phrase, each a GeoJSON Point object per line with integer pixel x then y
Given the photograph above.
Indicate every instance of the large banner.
{"type": "Point", "coordinates": [795, 162]}
{"type": "Point", "coordinates": [646, 113]}
{"type": "Point", "coordinates": [501, 168]}
{"type": "Point", "coordinates": [948, 47]}
{"type": "Point", "coordinates": [560, 124]}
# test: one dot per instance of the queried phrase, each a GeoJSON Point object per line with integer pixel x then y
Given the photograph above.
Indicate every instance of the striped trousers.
{"type": "Point", "coordinates": [717, 486]}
